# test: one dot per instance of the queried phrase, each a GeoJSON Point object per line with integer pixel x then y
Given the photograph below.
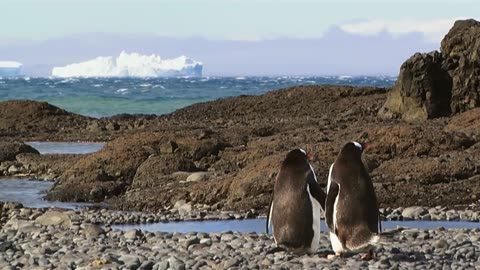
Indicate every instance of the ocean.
{"type": "Point", "coordinates": [101, 97]}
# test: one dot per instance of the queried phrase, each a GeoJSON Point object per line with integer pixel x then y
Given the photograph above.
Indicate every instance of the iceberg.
{"type": "Point", "coordinates": [131, 65]}
{"type": "Point", "coordinates": [10, 69]}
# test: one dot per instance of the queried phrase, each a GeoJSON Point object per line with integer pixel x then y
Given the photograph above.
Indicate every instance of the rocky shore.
{"type": "Point", "coordinates": [44, 239]}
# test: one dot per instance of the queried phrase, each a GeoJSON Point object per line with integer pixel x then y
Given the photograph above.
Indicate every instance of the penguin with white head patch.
{"type": "Point", "coordinates": [297, 201]}
{"type": "Point", "coordinates": [351, 209]}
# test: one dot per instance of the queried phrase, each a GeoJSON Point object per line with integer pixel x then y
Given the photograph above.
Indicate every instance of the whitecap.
{"type": "Point", "coordinates": [122, 90]}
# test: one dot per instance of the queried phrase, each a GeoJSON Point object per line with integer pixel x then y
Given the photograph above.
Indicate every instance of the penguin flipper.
{"type": "Point", "coordinates": [317, 192]}
{"type": "Point", "coordinates": [332, 194]}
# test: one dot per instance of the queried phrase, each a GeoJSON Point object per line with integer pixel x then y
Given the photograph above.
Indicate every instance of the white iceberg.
{"type": "Point", "coordinates": [10, 69]}
{"type": "Point", "coordinates": [132, 65]}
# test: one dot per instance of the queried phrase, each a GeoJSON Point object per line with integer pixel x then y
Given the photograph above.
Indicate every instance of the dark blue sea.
{"type": "Point", "coordinates": [100, 97]}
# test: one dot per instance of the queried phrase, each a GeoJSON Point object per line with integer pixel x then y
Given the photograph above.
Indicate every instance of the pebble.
{"type": "Point", "coordinates": [26, 243]}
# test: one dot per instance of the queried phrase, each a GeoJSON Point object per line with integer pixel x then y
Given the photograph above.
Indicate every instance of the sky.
{"type": "Point", "coordinates": [28, 24]}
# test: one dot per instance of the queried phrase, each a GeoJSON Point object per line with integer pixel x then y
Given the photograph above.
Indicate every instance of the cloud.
{"type": "Point", "coordinates": [432, 30]}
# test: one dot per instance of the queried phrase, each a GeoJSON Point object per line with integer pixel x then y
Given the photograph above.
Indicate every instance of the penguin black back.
{"type": "Point", "coordinates": [296, 203]}
{"type": "Point", "coordinates": [351, 206]}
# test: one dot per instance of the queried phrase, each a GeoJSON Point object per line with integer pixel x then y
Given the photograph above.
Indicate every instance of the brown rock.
{"type": "Point", "coordinates": [422, 90]}
{"type": "Point", "coordinates": [461, 47]}
{"type": "Point", "coordinates": [10, 150]}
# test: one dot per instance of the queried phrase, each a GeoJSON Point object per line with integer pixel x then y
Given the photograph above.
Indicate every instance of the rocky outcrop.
{"type": "Point", "coordinates": [422, 90]}
{"type": "Point", "coordinates": [461, 48]}
{"type": "Point", "coordinates": [439, 83]}
{"type": "Point", "coordinates": [10, 150]}
{"type": "Point", "coordinates": [133, 162]}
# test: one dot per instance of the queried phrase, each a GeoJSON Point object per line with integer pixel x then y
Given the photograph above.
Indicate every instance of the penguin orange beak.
{"type": "Point", "coordinates": [309, 156]}
{"type": "Point", "coordinates": [365, 145]}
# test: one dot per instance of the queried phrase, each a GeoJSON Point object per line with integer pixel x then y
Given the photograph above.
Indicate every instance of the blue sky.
{"type": "Point", "coordinates": [225, 19]}
{"type": "Point", "coordinates": [231, 37]}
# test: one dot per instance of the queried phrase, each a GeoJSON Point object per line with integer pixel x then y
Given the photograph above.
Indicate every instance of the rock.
{"type": "Point", "coordinates": [53, 217]}
{"type": "Point", "coordinates": [191, 241]}
{"type": "Point", "coordinates": [181, 176]}
{"type": "Point", "coordinates": [438, 84]}
{"type": "Point", "coordinates": [414, 212]}
{"type": "Point", "coordinates": [112, 126]}
{"type": "Point", "coordinates": [13, 169]}
{"type": "Point", "coordinates": [4, 246]}
{"type": "Point", "coordinates": [232, 263]}
{"type": "Point", "coordinates": [422, 90]}
{"type": "Point", "coordinates": [146, 265]}
{"type": "Point", "coordinates": [461, 48]}
{"type": "Point", "coordinates": [176, 264]}
{"type": "Point", "coordinates": [132, 234]}
{"type": "Point", "coordinates": [92, 230]}
{"type": "Point", "coordinates": [131, 262]}
{"type": "Point", "coordinates": [9, 150]}
{"type": "Point", "coordinates": [440, 244]}
{"type": "Point", "coordinates": [183, 207]}
{"type": "Point", "coordinates": [198, 176]}
{"type": "Point", "coordinates": [163, 265]}
{"type": "Point", "coordinates": [168, 147]}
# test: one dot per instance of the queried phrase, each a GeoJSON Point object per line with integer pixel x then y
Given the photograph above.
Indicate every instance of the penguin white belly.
{"type": "Point", "coordinates": [316, 222]}
{"type": "Point", "coordinates": [336, 244]}
{"type": "Point", "coordinates": [270, 222]}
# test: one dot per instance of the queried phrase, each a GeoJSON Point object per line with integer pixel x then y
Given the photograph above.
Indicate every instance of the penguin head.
{"type": "Point", "coordinates": [353, 149]}
{"type": "Point", "coordinates": [298, 158]}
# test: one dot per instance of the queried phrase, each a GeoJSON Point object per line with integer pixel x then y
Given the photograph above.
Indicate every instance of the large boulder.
{"type": "Point", "coordinates": [10, 150]}
{"type": "Point", "coordinates": [439, 83]}
{"type": "Point", "coordinates": [422, 90]}
{"type": "Point", "coordinates": [461, 48]}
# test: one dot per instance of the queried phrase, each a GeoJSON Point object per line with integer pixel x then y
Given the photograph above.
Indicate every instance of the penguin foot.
{"type": "Point", "coordinates": [369, 256]}
{"type": "Point", "coordinates": [331, 256]}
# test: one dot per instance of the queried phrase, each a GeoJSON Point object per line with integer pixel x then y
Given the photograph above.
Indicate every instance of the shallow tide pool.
{"type": "Point", "coordinates": [30, 193]}
{"type": "Point", "coordinates": [66, 147]}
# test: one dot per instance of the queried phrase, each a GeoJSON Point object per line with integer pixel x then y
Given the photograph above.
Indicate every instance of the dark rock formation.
{"type": "Point", "coordinates": [461, 48]}
{"type": "Point", "coordinates": [10, 150]}
{"type": "Point", "coordinates": [422, 90]}
{"type": "Point", "coordinates": [438, 84]}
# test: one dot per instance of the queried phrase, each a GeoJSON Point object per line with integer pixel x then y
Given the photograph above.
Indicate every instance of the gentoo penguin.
{"type": "Point", "coordinates": [297, 200]}
{"type": "Point", "coordinates": [351, 210]}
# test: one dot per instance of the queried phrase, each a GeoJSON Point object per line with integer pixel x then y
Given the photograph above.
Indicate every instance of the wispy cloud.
{"type": "Point", "coordinates": [433, 30]}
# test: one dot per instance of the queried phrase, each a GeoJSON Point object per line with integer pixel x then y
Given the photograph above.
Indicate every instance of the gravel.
{"type": "Point", "coordinates": [82, 244]}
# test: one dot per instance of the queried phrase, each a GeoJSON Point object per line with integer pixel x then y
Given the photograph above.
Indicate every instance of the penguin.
{"type": "Point", "coordinates": [351, 209]}
{"type": "Point", "coordinates": [297, 201]}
